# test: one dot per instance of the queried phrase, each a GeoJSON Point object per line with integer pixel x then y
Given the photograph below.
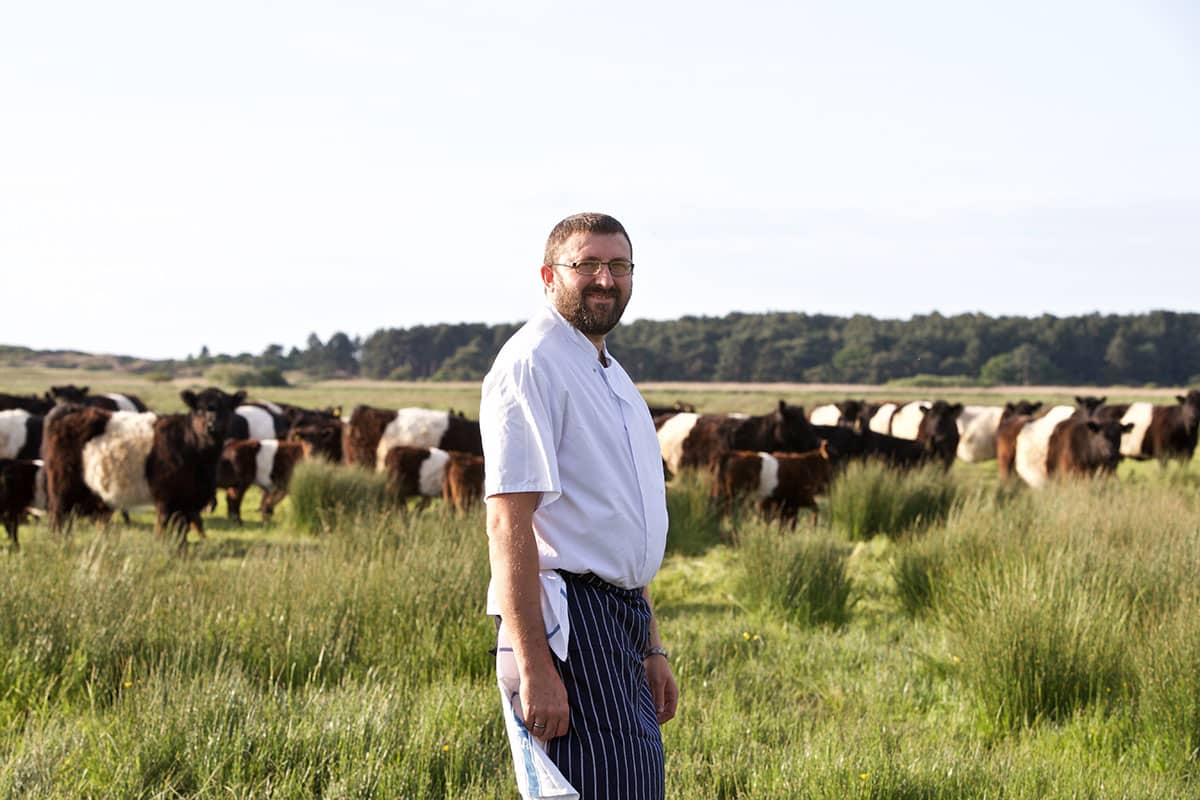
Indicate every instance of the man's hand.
{"type": "Point", "coordinates": [544, 708]}
{"type": "Point", "coordinates": [662, 687]}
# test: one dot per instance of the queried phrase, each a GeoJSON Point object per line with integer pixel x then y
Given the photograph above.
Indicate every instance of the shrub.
{"type": "Point", "coordinates": [239, 376]}
{"type": "Point", "coordinates": [868, 499]}
{"type": "Point", "coordinates": [326, 496]}
{"type": "Point", "coordinates": [1040, 640]}
{"type": "Point", "coordinates": [804, 577]}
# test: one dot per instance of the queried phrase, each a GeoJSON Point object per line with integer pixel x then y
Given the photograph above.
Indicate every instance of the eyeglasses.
{"type": "Point", "coordinates": [617, 267]}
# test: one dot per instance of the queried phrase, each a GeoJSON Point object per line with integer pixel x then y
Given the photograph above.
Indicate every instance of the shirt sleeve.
{"type": "Point", "coordinates": [520, 426]}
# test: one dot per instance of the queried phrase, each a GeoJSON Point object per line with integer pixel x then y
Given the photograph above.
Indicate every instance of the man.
{"type": "Point", "coordinates": [577, 523]}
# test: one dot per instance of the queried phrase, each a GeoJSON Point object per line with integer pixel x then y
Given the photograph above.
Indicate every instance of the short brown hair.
{"type": "Point", "coordinates": [587, 222]}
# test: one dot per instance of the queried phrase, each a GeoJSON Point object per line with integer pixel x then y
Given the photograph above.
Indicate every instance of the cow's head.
{"type": "Point", "coordinates": [1021, 408]}
{"type": "Point", "coordinates": [939, 429]}
{"type": "Point", "coordinates": [792, 430]}
{"type": "Point", "coordinates": [211, 411]}
{"type": "Point", "coordinates": [1088, 404]}
{"type": "Point", "coordinates": [320, 440]}
{"type": "Point", "coordinates": [1191, 408]}
{"type": "Point", "coordinates": [850, 411]}
{"type": "Point", "coordinates": [69, 393]}
{"type": "Point", "coordinates": [1104, 445]}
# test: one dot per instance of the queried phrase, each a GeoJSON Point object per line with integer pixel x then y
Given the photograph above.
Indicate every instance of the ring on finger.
{"type": "Point", "coordinates": [538, 725]}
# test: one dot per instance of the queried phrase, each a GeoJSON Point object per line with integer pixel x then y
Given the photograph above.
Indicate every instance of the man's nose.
{"type": "Point", "coordinates": [603, 277]}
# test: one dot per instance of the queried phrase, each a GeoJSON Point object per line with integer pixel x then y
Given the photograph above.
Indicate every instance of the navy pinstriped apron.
{"type": "Point", "coordinates": [613, 750]}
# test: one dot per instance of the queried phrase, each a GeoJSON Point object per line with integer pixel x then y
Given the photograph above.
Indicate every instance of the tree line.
{"type": "Point", "coordinates": [1154, 348]}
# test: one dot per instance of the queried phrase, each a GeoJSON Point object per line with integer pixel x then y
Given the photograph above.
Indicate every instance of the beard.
{"type": "Point", "coordinates": [573, 305]}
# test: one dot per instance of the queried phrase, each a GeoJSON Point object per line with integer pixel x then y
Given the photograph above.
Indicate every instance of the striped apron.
{"type": "Point", "coordinates": [613, 748]}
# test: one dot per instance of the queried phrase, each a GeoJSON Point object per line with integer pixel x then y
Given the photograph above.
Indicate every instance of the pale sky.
{"type": "Point", "coordinates": [234, 174]}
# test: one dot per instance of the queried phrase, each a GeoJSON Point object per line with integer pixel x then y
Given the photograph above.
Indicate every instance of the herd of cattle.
{"type": "Point", "coordinates": [786, 457]}
{"type": "Point", "coordinates": [70, 453]}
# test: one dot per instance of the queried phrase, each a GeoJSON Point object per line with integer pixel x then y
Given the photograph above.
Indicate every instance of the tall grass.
{"type": "Point", "coordinates": [326, 496]}
{"type": "Point", "coordinates": [694, 525]}
{"type": "Point", "coordinates": [1043, 645]}
{"type": "Point", "coordinates": [802, 577]}
{"type": "Point", "coordinates": [869, 498]}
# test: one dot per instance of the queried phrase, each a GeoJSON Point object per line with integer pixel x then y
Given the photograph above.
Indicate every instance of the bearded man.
{"type": "Point", "coordinates": [577, 524]}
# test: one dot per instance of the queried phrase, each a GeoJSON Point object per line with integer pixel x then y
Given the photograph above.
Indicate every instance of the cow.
{"type": "Point", "coordinates": [22, 486]}
{"type": "Point", "coordinates": [98, 460]}
{"type": "Point", "coordinates": [424, 427]}
{"type": "Point", "coordinates": [20, 434]}
{"type": "Point", "coordinates": [109, 402]}
{"type": "Point", "coordinates": [266, 463]}
{"type": "Point", "coordinates": [295, 416]}
{"type": "Point", "coordinates": [1084, 447]}
{"type": "Point", "coordinates": [846, 413]}
{"type": "Point", "coordinates": [847, 444]}
{"type": "Point", "coordinates": [415, 472]}
{"type": "Point", "coordinates": [1162, 432]}
{"type": "Point", "coordinates": [783, 483]}
{"type": "Point", "coordinates": [690, 440]}
{"type": "Point", "coordinates": [1032, 444]}
{"type": "Point", "coordinates": [323, 439]}
{"type": "Point", "coordinates": [977, 426]}
{"type": "Point", "coordinates": [1013, 419]}
{"type": "Point", "coordinates": [933, 423]}
{"type": "Point", "coordinates": [879, 418]}
{"type": "Point", "coordinates": [462, 481]}
{"type": "Point", "coordinates": [257, 421]}
{"type": "Point", "coordinates": [27, 402]}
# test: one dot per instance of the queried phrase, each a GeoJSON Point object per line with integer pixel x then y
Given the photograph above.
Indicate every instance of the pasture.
{"type": "Point", "coordinates": [929, 636]}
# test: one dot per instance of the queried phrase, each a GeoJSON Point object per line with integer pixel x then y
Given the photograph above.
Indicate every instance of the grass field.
{"type": "Point", "coordinates": [931, 637]}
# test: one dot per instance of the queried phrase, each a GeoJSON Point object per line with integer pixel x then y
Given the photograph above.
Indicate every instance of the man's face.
{"type": "Point", "coordinates": [592, 303]}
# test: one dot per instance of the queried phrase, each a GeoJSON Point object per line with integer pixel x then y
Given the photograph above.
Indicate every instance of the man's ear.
{"type": "Point", "coordinates": [547, 276]}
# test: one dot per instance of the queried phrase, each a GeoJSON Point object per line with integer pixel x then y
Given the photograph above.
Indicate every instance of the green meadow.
{"type": "Point", "coordinates": [927, 636]}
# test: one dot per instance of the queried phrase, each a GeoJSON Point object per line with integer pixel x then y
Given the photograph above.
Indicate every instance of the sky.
{"type": "Point", "coordinates": [237, 174]}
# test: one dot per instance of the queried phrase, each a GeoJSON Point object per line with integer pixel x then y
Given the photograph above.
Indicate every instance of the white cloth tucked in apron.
{"type": "Point", "coordinates": [537, 776]}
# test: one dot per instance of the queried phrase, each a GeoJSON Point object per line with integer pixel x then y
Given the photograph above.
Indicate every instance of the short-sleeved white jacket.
{"type": "Point", "coordinates": [556, 421]}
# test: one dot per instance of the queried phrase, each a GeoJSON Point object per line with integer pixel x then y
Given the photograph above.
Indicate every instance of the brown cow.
{"type": "Point", "coordinates": [111, 401]}
{"type": "Point", "coordinates": [698, 440]}
{"type": "Point", "coordinates": [415, 472]}
{"type": "Point", "coordinates": [1084, 447]}
{"type": "Point", "coordinates": [372, 432]}
{"type": "Point", "coordinates": [323, 439]}
{"type": "Point", "coordinates": [462, 483]}
{"type": "Point", "coordinates": [1163, 432]}
{"type": "Point", "coordinates": [27, 402]}
{"type": "Point", "coordinates": [266, 463]}
{"type": "Point", "coordinates": [1012, 420]}
{"type": "Point", "coordinates": [362, 434]}
{"type": "Point", "coordinates": [783, 482]}
{"type": "Point", "coordinates": [98, 460]}
{"type": "Point", "coordinates": [19, 483]}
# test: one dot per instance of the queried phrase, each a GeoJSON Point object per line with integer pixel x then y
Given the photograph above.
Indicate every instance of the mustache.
{"type": "Point", "coordinates": [612, 293]}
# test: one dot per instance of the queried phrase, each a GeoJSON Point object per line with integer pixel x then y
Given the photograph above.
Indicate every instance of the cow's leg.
{"type": "Point", "coordinates": [271, 499]}
{"type": "Point", "coordinates": [12, 521]}
{"type": "Point", "coordinates": [233, 503]}
{"type": "Point", "coordinates": [160, 521]}
{"type": "Point", "coordinates": [423, 503]}
{"type": "Point", "coordinates": [196, 523]}
{"type": "Point", "coordinates": [125, 516]}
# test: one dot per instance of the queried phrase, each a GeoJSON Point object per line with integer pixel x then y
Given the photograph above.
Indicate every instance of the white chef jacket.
{"type": "Point", "coordinates": [555, 420]}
